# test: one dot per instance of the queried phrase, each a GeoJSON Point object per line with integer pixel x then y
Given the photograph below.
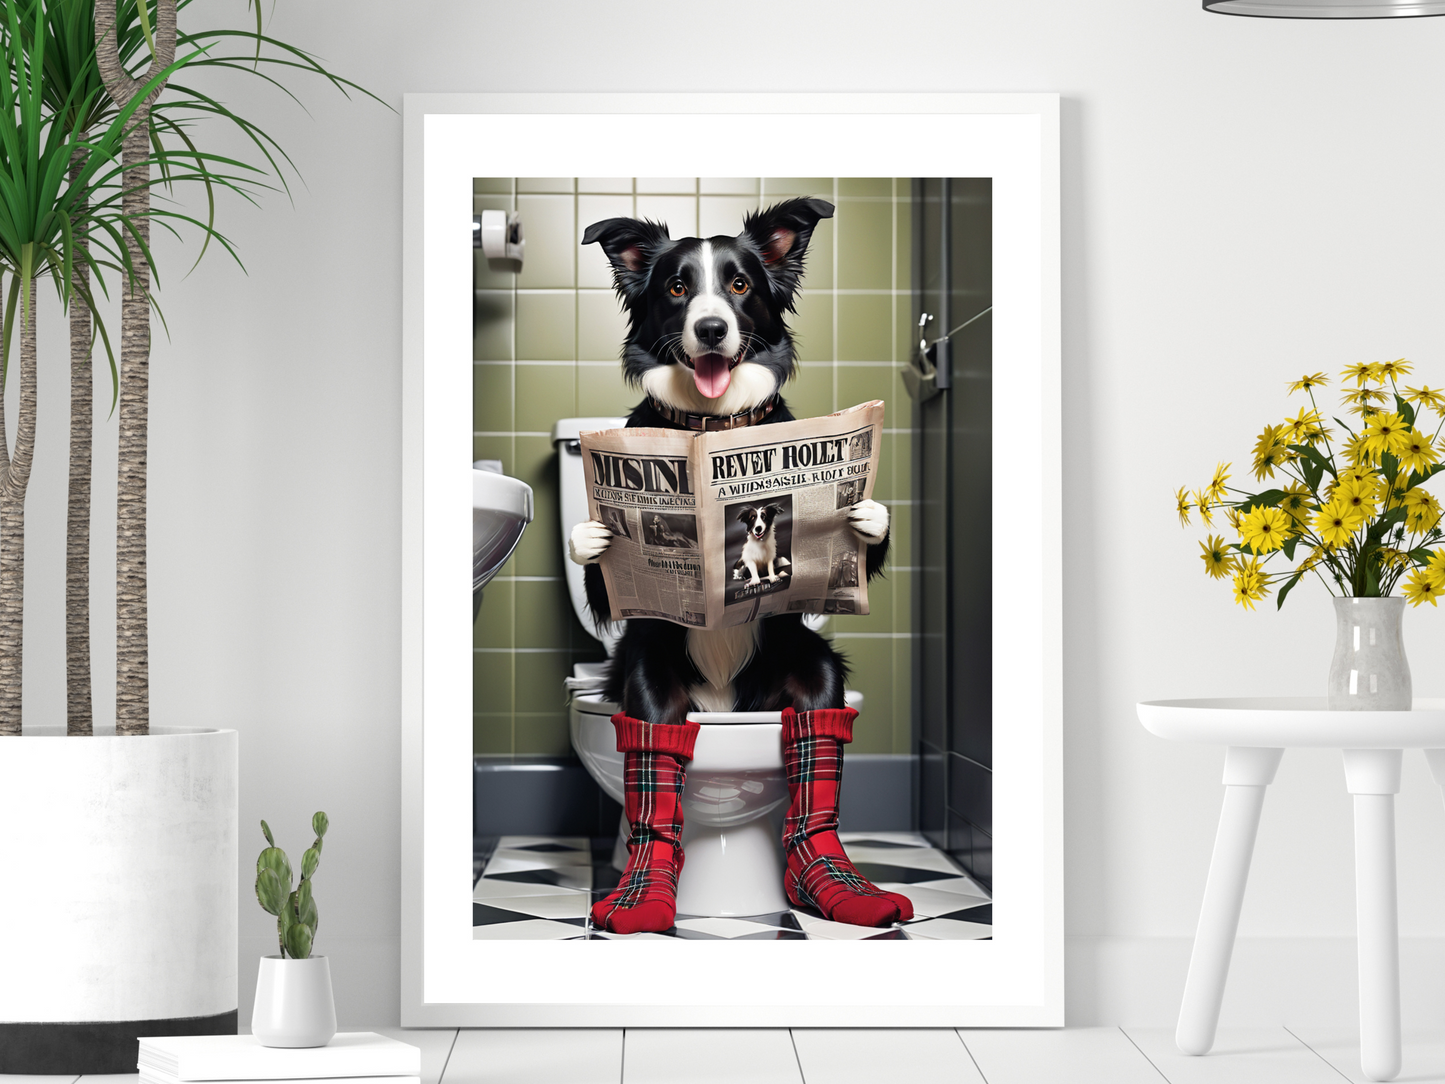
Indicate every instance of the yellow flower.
{"type": "Point", "coordinates": [1423, 514]}
{"type": "Point", "coordinates": [1384, 433]}
{"type": "Point", "coordinates": [1360, 472]}
{"type": "Point", "coordinates": [1424, 585]}
{"type": "Point", "coordinates": [1394, 492]}
{"type": "Point", "coordinates": [1201, 501]}
{"type": "Point", "coordinates": [1426, 396]}
{"type": "Point", "coordinates": [1417, 452]}
{"type": "Point", "coordinates": [1309, 382]}
{"type": "Point", "coordinates": [1268, 439]}
{"type": "Point", "coordinates": [1364, 396]}
{"type": "Point", "coordinates": [1417, 496]}
{"type": "Point", "coordinates": [1235, 517]}
{"type": "Point", "coordinates": [1182, 500]}
{"type": "Point", "coordinates": [1337, 522]}
{"type": "Point", "coordinates": [1362, 371]}
{"type": "Point", "coordinates": [1392, 370]}
{"type": "Point", "coordinates": [1264, 529]}
{"type": "Point", "coordinates": [1296, 502]}
{"type": "Point", "coordinates": [1249, 583]}
{"type": "Point", "coordinates": [1215, 489]}
{"type": "Point", "coordinates": [1437, 562]}
{"type": "Point", "coordinates": [1359, 494]}
{"type": "Point", "coordinates": [1354, 450]}
{"type": "Point", "coordinates": [1391, 557]}
{"type": "Point", "coordinates": [1218, 561]}
{"type": "Point", "coordinates": [1366, 411]}
{"type": "Point", "coordinates": [1316, 555]}
{"type": "Point", "coordinates": [1270, 452]}
{"type": "Point", "coordinates": [1305, 427]}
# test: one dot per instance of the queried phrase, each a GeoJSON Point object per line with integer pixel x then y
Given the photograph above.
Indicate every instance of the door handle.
{"type": "Point", "coordinates": [930, 367]}
{"type": "Point", "coordinates": [928, 371]}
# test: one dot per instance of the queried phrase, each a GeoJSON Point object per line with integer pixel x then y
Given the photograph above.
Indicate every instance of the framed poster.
{"type": "Point", "coordinates": [453, 976]}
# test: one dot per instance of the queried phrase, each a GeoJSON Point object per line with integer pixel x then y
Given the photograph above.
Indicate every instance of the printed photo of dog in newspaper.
{"type": "Point", "coordinates": [759, 547]}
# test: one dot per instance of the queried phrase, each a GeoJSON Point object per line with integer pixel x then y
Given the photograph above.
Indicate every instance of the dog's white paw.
{"type": "Point", "coordinates": [869, 521]}
{"type": "Point", "coordinates": [737, 573]}
{"type": "Point", "coordinates": [588, 542]}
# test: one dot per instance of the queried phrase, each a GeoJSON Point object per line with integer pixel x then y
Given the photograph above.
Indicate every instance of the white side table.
{"type": "Point", "coordinates": [1257, 731]}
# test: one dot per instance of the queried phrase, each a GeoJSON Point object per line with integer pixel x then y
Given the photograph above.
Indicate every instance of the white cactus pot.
{"type": "Point", "coordinates": [122, 859]}
{"type": "Point", "coordinates": [294, 1004]}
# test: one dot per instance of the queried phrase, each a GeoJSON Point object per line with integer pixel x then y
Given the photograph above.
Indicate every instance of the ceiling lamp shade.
{"type": "Point", "coordinates": [1327, 9]}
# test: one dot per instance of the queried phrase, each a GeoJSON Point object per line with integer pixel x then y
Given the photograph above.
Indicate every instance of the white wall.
{"type": "Point", "coordinates": [1244, 201]}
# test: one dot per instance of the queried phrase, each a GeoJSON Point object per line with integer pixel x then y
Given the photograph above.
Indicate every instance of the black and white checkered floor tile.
{"type": "Point", "coordinates": [543, 887]}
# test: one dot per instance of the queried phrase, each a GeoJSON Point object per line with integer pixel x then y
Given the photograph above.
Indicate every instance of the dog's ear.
{"type": "Point", "coordinates": [744, 514]}
{"type": "Point", "coordinates": [780, 234]}
{"type": "Point", "coordinates": [776, 509]}
{"type": "Point", "coordinates": [631, 245]}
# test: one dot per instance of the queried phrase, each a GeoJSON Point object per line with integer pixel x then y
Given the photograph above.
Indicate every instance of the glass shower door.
{"type": "Point", "coordinates": [952, 381]}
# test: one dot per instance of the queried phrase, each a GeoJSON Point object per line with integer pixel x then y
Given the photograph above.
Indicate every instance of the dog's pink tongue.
{"type": "Point", "coordinates": [711, 374]}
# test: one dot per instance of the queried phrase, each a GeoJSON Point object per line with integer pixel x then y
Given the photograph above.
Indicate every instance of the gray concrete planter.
{"type": "Point", "coordinates": [121, 919]}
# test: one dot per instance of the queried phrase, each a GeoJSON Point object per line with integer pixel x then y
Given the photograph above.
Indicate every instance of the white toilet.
{"type": "Point", "coordinates": [734, 862]}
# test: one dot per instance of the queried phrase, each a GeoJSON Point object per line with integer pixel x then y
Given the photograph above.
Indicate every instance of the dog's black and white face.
{"type": "Point", "coordinates": [759, 519]}
{"type": "Point", "coordinates": [706, 330]}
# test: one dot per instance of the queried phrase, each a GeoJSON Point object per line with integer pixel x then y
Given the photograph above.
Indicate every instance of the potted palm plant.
{"type": "Point", "coordinates": [133, 834]}
{"type": "Point", "coordinates": [101, 822]}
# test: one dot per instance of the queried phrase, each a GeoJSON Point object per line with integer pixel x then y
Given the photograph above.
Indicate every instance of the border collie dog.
{"type": "Point", "coordinates": [760, 546]}
{"type": "Point", "coordinates": [708, 343]}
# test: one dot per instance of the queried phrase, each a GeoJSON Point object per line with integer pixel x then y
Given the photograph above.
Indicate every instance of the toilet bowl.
{"type": "Point", "coordinates": [734, 864]}
{"type": "Point", "coordinates": [735, 780]}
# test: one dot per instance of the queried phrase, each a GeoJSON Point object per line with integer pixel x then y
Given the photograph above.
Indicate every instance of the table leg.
{"type": "Point", "coordinates": [1247, 772]}
{"type": "Point", "coordinates": [1373, 777]}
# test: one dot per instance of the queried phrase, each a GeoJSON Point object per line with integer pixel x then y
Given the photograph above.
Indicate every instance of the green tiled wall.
{"type": "Point", "coordinates": [545, 346]}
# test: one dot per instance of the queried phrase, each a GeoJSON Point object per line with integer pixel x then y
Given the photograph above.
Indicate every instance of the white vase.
{"type": "Point", "coordinates": [120, 858]}
{"type": "Point", "coordinates": [294, 1005]}
{"type": "Point", "coordinates": [1369, 671]}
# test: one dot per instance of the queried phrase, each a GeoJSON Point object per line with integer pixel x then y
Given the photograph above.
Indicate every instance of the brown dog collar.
{"type": "Point", "coordinates": [711, 422]}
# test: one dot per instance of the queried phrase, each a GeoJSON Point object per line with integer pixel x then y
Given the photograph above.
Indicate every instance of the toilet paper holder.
{"type": "Point", "coordinates": [499, 235]}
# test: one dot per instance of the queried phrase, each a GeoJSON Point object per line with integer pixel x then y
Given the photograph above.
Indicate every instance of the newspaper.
{"type": "Point", "coordinates": [717, 529]}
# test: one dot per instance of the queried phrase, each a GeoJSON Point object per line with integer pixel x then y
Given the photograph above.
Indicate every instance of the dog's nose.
{"type": "Point", "coordinates": [710, 330]}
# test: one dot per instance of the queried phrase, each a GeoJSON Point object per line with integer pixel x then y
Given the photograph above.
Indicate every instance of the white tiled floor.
{"type": "Point", "coordinates": [934, 1056]}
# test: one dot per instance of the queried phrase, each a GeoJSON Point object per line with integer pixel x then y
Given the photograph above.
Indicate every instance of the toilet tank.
{"type": "Point", "coordinates": [572, 488]}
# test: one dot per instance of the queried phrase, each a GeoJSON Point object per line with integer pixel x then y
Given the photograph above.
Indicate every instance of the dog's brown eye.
{"type": "Point", "coordinates": [677, 289]}
{"type": "Point", "coordinates": [740, 285]}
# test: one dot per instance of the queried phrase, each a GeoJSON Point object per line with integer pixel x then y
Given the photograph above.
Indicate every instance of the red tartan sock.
{"type": "Point", "coordinates": [819, 874]}
{"type": "Point", "coordinates": [653, 774]}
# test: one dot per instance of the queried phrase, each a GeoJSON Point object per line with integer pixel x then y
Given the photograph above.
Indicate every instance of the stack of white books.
{"type": "Point", "coordinates": [352, 1057]}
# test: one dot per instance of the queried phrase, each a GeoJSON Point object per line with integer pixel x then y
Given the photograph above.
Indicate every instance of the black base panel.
{"type": "Point", "coordinates": [99, 1047]}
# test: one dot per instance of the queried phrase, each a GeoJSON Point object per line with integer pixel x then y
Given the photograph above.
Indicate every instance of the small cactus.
{"type": "Point", "coordinates": [295, 911]}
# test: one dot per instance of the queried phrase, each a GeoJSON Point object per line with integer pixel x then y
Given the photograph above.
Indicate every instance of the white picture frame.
{"type": "Point", "coordinates": [450, 980]}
